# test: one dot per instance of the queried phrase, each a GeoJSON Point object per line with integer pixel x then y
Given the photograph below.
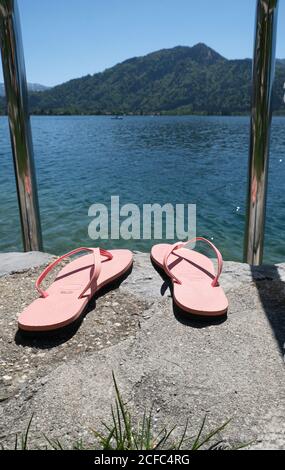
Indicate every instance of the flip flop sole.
{"type": "Point", "coordinates": [195, 295]}
{"type": "Point", "coordinates": [63, 305]}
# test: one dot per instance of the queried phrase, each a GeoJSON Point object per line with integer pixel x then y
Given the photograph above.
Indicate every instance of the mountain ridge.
{"type": "Point", "coordinates": [33, 87]}
{"type": "Point", "coordinates": [178, 80]}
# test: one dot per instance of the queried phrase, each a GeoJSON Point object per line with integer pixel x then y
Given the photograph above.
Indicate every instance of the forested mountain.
{"type": "Point", "coordinates": [181, 80]}
{"type": "Point", "coordinates": [31, 87]}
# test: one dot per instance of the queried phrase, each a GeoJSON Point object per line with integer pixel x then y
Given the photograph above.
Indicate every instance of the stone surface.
{"type": "Point", "coordinates": [232, 368]}
{"type": "Point", "coordinates": [17, 262]}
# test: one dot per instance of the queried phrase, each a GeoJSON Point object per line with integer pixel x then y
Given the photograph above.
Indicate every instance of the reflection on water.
{"type": "Point", "coordinates": [187, 160]}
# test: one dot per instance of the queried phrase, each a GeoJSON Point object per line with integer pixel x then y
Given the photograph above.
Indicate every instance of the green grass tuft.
{"type": "Point", "coordinates": [124, 434]}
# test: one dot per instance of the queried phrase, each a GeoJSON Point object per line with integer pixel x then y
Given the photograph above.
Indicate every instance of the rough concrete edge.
{"type": "Point", "coordinates": [18, 262]}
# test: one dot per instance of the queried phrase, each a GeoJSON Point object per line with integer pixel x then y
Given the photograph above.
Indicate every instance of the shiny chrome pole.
{"type": "Point", "coordinates": [19, 122]}
{"type": "Point", "coordinates": [263, 76]}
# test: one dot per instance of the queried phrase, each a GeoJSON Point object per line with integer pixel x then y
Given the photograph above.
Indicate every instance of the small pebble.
{"type": "Point", "coordinates": [41, 354]}
{"type": "Point", "coordinates": [7, 378]}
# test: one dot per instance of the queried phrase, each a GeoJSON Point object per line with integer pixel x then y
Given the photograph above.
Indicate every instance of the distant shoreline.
{"type": "Point", "coordinates": [162, 114]}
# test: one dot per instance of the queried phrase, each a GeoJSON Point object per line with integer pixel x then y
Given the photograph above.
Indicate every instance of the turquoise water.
{"type": "Point", "coordinates": [192, 160]}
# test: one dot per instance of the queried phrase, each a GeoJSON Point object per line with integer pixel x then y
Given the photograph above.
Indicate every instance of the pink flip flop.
{"type": "Point", "coordinates": [64, 301]}
{"type": "Point", "coordinates": [195, 285]}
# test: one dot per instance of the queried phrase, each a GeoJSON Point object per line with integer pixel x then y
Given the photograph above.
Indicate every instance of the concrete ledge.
{"type": "Point", "coordinates": [17, 262]}
{"type": "Point", "coordinates": [185, 367]}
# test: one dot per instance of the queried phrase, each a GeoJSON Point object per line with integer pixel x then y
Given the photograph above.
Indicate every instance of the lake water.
{"type": "Point", "coordinates": [189, 160]}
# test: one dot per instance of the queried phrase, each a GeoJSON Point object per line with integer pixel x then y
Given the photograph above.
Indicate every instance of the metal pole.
{"type": "Point", "coordinates": [263, 77]}
{"type": "Point", "coordinates": [19, 121]}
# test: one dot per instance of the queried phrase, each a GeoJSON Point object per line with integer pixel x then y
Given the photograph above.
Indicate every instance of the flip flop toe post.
{"type": "Point", "coordinates": [76, 283]}
{"type": "Point", "coordinates": [196, 286]}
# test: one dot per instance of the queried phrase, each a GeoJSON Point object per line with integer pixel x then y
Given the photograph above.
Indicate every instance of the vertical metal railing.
{"type": "Point", "coordinates": [19, 121]}
{"type": "Point", "coordinates": [263, 77]}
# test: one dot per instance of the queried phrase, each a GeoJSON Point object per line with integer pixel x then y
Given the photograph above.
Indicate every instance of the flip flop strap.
{"type": "Point", "coordinates": [168, 252]}
{"type": "Point", "coordinates": [97, 252]}
{"type": "Point", "coordinates": [178, 245]}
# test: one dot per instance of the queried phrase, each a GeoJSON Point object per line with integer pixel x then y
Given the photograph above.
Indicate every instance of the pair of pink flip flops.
{"type": "Point", "coordinates": [195, 285]}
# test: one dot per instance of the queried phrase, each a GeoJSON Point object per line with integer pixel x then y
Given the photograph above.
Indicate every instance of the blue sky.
{"type": "Point", "coordinates": [65, 39]}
